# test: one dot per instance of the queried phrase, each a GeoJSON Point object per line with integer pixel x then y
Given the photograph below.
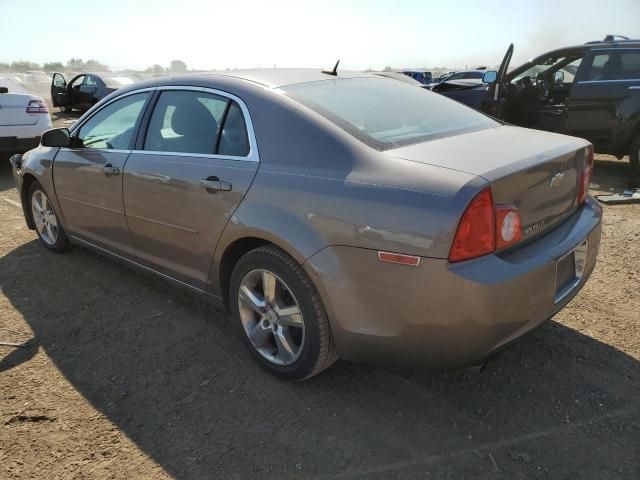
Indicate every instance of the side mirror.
{"type": "Point", "coordinates": [489, 76]}
{"type": "Point", "coordinates": [57, 137]}
{"type": "Point", "coordinates": [558, 76]}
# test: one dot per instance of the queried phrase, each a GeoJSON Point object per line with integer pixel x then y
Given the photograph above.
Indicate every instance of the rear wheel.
{"type": "Point", "coordinates": [45, 219]}
{"type": "Point", "coordinates": [281, 315]}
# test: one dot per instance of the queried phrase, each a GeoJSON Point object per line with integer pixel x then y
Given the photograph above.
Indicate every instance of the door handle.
{"type": "Point", "coordinates": [214, 184]}
{"type": "Point", "coordinates": [109, 170]}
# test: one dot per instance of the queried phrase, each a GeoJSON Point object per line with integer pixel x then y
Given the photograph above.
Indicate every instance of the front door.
{"type": "Point", "coordinates": [194, 166]}
{"type": "Point", "coordinates": [495, 98]}
{"type": "Point", "coordinates": [605, 98]}
{"type": "Point", "coordinates": [88, 177]}
{"type": "Point", "coordinates": [87, 92]}
{"type": "Point", "coordinates": [59, 95]}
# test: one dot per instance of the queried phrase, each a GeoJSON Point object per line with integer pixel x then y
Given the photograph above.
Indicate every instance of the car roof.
{"type": "Point", "coordinates": [592, 46]}
{"type": "Point", "coordinates": [259, 81]}
{"type": "Point", "coordinates": [280, 77]}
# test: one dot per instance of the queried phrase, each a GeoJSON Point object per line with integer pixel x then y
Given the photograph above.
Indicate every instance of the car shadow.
{"type": "Point", "coordinates": [170, 373]}
{"type": "Point", "coordinates": [6, 177]}
{"type": "Point", "coordinates": [613, 176]}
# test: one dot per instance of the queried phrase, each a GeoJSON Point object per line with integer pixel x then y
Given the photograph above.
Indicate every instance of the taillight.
{"type": "Point", "coordinates": [37, 106]}
{"type": "Point", "coordinates": [485, 228]}
{"type": "Point", "coordinates": [476, 232]}
{"type": "Point", "coordinates": [585, 177]}
{"type": "Point", "coordinates": [508, 226]}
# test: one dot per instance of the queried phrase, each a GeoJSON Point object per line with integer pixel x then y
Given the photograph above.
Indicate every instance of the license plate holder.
{"type": "Point", "coordinates": [569, 271]}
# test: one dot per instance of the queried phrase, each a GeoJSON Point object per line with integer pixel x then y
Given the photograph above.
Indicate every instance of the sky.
{"type": "Point", "coordinates": [213, 34]}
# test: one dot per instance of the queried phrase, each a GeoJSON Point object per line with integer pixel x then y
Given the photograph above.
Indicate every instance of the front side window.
{"type": "Point", "coordinates": [196, 122]}
{"type": "Point", "coordinates": [89, 81]}
{"type": "Point", "coordinates": [58, 80]}
{"type": "Point", "coordinates": [385, 113]}
{"type": "Point", "coordinates": [113, 126]}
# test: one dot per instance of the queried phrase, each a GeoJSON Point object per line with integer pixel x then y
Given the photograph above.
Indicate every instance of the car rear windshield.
{"type": "Point", "coordinates": [385, 113]}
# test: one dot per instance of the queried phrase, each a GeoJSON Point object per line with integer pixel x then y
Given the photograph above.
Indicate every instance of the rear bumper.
{"type": "Point", "coordinates": [12, 145]}
{"type": "Point", "coordinates": [443, 315]}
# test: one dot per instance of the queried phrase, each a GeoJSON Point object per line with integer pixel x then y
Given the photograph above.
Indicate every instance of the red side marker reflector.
{"type": "Point", "coordinates": [410, 260]}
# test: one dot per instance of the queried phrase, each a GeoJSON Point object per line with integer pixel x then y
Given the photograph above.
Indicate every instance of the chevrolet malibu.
{"type": "Point", "coordinates": [336, 215]}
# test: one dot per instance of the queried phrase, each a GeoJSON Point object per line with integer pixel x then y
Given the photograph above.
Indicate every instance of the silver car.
{"type": "Point", "coordinates": [336, 216]}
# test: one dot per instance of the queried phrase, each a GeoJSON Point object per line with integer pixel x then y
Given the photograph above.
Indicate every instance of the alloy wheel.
{"type": "Point", "coordinates": [271, 317]}
{"type": "Point", "coordinates": [44, 217]}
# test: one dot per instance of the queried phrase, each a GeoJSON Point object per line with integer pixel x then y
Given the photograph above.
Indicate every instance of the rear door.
{"type": "Point", "coordinates": [59, 96]}
{"type": "Point", "coordinates": [189, 174]}
{"type": "Point", "coordinates": [88, 177]}
{"type": "Point", "coordinates": [606, 98]}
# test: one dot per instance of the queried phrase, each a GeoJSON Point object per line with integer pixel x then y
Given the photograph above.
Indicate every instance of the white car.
{"type": "Point", "coordinates": [23, 118]}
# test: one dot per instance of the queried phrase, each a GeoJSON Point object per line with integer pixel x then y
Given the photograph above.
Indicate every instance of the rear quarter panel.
{"type": "Point", "coordinates": [318, 186]}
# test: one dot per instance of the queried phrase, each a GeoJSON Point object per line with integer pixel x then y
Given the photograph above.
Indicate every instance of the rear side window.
{"type": "Point", "coordinates": [385, 113]}
{"type": "Point", "coordinates": [196, 122]}
{"type": "Point", "coordinates": [113, 126]}
{"type": "Point", "coordinates": [234, 140]}
{"type": "Point", "coordinates": [630, 66]}
{"type": "Point", "coordinates": [596, 72]}
{"type": "Point", "coordinates": [618, 65]}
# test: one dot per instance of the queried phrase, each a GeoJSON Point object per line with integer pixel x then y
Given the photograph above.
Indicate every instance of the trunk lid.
{"type": "Point", "coordinates": [537, 172]}
{"type": "Point", "coordinates": [13, 110]}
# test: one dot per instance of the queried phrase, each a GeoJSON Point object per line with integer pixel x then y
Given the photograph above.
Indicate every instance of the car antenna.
{"type": "Point", "coordinates": [333, 72]}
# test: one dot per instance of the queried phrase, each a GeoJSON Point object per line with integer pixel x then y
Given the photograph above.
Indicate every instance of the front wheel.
{"type": "Point", "coordinates": [282, 318]}
{"type": "Point", "coordinates": [45, 219]}
{"type": "Point", "coordinates": [65, 109]}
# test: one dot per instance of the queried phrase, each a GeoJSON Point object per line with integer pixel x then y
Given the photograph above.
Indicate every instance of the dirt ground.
{"type": "Point", "coordinates": [127, 377]}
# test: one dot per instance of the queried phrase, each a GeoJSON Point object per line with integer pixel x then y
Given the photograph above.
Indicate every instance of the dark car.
{"type": "Point", "coordinates": [590, 91]}
{"type": "Point", "coordinates": [84, 90]}
{"type": "Point", "coordinates": [421, 76]}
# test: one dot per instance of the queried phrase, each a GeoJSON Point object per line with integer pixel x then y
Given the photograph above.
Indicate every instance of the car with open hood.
{"type": "Point", "coordinates": [334, 214]}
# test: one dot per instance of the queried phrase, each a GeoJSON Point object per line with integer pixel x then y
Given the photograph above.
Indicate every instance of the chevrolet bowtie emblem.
{"type": "Point", "coordinates": [556, 180]}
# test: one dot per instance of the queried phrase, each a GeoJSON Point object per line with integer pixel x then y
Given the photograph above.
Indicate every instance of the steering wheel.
{"type": "Point", "coordinates": [544, 88]}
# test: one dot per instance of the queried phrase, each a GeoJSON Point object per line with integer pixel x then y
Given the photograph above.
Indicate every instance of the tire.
{"type": "Point", "coordinates": [65, 109]}
{"type": "Point", "coordinates": [290, 346]}
{"type": "Point", "coordinates": [48, 226]}
{"type": "Point", "coordinates": [634, 157]}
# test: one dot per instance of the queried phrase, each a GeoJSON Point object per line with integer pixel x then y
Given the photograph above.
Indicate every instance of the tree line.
{"type": "Point", "coordinates": [79, 65]}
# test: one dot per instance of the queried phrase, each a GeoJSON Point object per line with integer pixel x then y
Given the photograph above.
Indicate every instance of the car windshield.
{"type": "Point", "coordinates": [538, 68]}
{"type": "Point", "coordinates": [385, 113]}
